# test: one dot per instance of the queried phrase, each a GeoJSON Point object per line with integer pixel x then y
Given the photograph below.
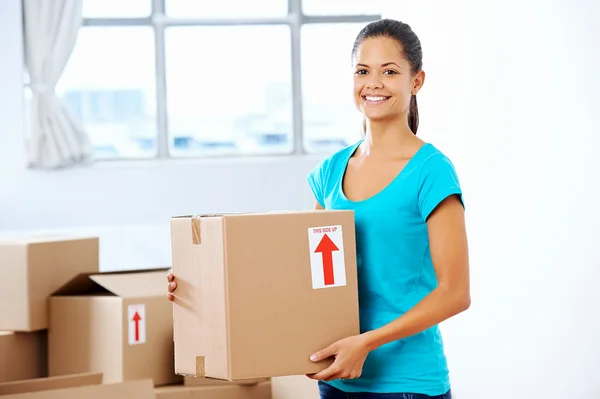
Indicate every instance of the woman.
{"type": "Point", "coordinates": [413, 268]}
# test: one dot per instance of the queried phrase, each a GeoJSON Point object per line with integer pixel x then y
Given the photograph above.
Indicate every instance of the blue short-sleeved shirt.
{"type": "Point", "coordinates": [395, 270]}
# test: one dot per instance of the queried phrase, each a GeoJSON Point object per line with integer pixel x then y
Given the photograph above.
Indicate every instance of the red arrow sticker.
{"type": "Point", "coordinates": [137, 324]}
{"type": "Point", "coordinates": [327, 256]}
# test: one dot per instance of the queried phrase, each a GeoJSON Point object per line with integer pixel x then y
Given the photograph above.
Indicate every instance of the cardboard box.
{"type": "Point", "coordinates": [261, 390]}
{"type": "Point", "coordinates": [23, 355]}
{"type": "Point", "coordinates": [36, 267]}
{"type": "Point", "coordinates": [118, 323]}
{"type": "Point", "coordinates": [80, 386]}
{"type": "Point", "coordinates": [45, 384]}
{"type": "Point", "coordinates": [295, 387]}
{"type": "Point", "coordinates": [259, 293]}
{"type": "Point", "coordinates": [204, 381]}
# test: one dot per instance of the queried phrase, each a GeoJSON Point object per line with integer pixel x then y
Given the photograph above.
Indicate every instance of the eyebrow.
{"type": "Point", "coordinates": [383, 65]}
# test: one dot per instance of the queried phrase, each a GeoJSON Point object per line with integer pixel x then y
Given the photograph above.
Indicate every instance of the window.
{"type": "Point", "coordinates": [330, 119]}
{"type": "Point", "coordinates": [109, 83]}
{"type": "Point", "coordinates": [187, 78]}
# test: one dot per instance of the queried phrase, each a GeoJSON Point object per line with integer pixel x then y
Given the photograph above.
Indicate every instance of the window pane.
{"type": "Point", "coordinates": [226, 9]}
{"type": "Point", "coordinates": [116, 8]}
{"type": "Point", "coordinates": [342, 7]}
{"type": "Point", "coordinates": [109, 83]}
{"type": "Point", "coordinates": [331, 119]}
{"type": "Point", "coordinates": [229, 90]}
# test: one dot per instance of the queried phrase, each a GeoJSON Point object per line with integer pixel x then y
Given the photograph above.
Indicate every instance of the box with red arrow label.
{"type": "Point", "coordinates": [258, 293]}
{"type": "Point", "coordinates": [116, 323]}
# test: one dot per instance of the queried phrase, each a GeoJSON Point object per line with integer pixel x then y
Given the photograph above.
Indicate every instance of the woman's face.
{"type": "Point", "coordinates": [383, 80]}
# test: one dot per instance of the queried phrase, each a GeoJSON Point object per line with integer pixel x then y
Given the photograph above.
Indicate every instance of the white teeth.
{"type": "Point", "coordinates": [369, 98]}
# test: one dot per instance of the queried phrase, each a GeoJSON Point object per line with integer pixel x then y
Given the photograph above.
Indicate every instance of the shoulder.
{"type": "Point", "coordinates": [433, 156]}
{"type": "Point", "coordinates": [438, 179]}
{"type": "Point", "coordinates": [434, 162]}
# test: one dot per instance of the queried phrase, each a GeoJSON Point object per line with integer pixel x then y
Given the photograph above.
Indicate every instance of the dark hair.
{"type": "Point", "coordinates": [411, 48]}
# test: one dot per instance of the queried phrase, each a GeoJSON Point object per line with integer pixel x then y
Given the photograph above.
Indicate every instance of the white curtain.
{"type": "Point", "coordinates": [57, 139]}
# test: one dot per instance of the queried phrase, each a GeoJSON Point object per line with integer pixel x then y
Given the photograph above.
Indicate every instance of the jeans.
{"type": "Point", "coordinates": [328, 392]}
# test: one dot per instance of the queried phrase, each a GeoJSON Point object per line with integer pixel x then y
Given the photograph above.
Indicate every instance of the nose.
{"type": "Point", "coordinates": [374, 83]}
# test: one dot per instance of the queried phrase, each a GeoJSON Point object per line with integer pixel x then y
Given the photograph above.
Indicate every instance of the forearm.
{"type": "Point", "coordinates": [441, 304]}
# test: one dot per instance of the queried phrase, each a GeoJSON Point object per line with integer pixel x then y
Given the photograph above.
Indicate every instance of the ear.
{"type": "Point", "coordinates": [417, 82]}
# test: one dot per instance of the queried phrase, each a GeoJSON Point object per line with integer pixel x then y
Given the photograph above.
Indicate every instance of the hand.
{"type": "Point", "coordinates": [172, 286]}
{"type": "Point", "coordinates": [350, 355]}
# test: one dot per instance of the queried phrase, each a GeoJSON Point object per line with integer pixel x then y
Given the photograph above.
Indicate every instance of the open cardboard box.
{"type": "Point", "coordinates": [116, 323]}
{"type": "Point", "coordinates": [76, 386]}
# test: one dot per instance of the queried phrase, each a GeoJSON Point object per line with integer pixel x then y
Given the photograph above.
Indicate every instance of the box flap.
{"type": "Point", "coordinates": [80, 285]}
{"type": "Point", "coordinates": [43, 384]}
{"type": "Point", "coordinates": [134, 285]}
{"type": "Point", "coordinates": [126, 284]}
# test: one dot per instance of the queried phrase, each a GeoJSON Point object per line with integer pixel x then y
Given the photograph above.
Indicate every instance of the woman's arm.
{"type": "Point", "coordinates": [449, 254]}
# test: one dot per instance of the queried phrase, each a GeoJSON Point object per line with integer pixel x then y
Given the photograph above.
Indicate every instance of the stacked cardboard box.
{"type": "Point", "coordinates": [86, 385]}
{"type": "Point", "coordinates": [52, 305]}
{"type": "Point", "coordinates": [32, 268]}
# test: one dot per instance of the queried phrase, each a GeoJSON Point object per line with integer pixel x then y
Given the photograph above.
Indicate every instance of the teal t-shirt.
{"type": "Point", "coordinates": [394, 264]}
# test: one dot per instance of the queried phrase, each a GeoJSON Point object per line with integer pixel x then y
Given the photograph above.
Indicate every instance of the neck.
{"type": "Point", "coordinates": [384, 137]}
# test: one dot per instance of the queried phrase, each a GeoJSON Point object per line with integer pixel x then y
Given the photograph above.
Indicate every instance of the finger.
{"type": "Point", "coordinates": [327, 375]}
{"type": "Point", "coordinates": [170, 277]}
{"type": "Point", "coordinates": [171, 297]}
{"type": "Point", "coordinates": [323, 354]}
{"type": "Point", "coordinates": [172, 286]}
{"type": "Point", "coordinates": [333, 377]}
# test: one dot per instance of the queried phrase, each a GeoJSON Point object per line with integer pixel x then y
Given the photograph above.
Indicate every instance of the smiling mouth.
{"type": "Point", "coordinates": [375, 99]}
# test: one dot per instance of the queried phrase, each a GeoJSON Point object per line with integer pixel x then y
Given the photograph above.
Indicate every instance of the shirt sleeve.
{"type": "Point", "coordinates": [316, 183]}
{"type": "Point", "coordinates": [438, 181]}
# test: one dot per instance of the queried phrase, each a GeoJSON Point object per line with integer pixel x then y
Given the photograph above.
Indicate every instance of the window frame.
{"type": "Point", "coordinates": [159, 21]}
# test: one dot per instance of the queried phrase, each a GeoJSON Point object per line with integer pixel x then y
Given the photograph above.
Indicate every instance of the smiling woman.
{"type": "Point", "coordinates": [412, 253]}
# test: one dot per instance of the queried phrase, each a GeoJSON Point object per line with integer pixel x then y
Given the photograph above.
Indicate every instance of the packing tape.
{"type": "Point", "coordinates": [196, 230]}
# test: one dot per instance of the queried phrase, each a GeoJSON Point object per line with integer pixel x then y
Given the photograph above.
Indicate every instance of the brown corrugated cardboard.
{"type": "Point", "coordinates": [204, 381]}
{"type": "Point", "coordinates": [295, 387]}
{"type": "Point", "coordinates": [119, 324]}
{"type": "Point", "coordinates": [234, 391]}
{"type": "Point", "coordinates": [259, 293]}
{"type": "Point", "coordinates": [139, 389]}
{"type": "Point", "coordinates": [23, 355]}
{"type": "Point", "coordinates": [36, 267]}
{"type": "Point", "coordinates": [45, 384]}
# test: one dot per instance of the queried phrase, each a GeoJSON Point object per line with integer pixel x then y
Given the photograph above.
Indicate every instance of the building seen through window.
{"type": "Point", "coordinates": [173, 81]}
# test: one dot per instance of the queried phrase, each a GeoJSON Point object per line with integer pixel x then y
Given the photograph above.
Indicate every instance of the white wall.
{"type": "Point", "coordinates": [509, 96]}
{"type": "Point", "coordinates": [525, 76]}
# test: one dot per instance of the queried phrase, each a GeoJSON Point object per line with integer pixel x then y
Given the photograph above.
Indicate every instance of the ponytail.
{"type": "Point", "coordinates": [413, 115]}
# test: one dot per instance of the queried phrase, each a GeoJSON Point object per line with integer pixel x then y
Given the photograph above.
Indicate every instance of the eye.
{"type": "Point", "coordinates": [361, 71]}
{"type": "Point", "coordinates": [390, 72]}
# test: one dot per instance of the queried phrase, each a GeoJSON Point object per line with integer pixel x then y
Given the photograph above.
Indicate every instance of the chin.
{"type": "Point", "coordinates": [376, 116]}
